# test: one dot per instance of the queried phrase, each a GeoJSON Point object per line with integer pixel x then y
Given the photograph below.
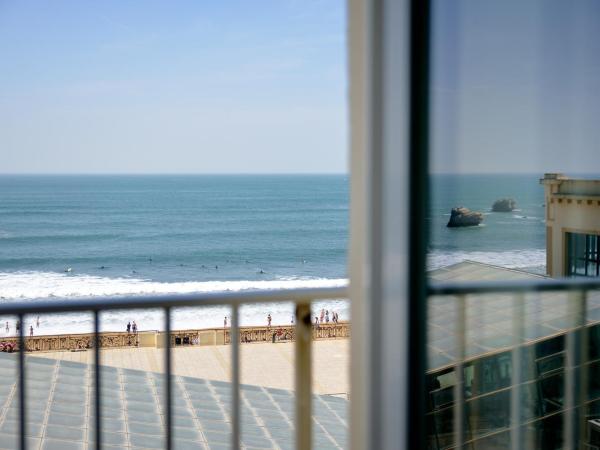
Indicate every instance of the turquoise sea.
{"type": "Point", "coordinates": [72, 236]}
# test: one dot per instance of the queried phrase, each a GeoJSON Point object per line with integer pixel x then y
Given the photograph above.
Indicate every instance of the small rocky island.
{"type": "Point", "coordinates": [464, 217]}
{"type": "Point", "coordinates": [504, 205]}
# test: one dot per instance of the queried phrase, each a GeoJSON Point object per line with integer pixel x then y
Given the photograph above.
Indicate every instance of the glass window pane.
{"type": "Point", "coordinates": [506, 109]}
{"type": "Point", "coordinates": [488, 413]}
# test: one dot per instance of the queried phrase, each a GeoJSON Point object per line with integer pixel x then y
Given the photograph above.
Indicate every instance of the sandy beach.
{"type": "Point", "coordinates": [264, 364]}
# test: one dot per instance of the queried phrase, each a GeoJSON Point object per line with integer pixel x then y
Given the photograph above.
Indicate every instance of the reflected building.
{"type": "Point", "coordinates": [572, 226]}
{"type": "Point", "coordinates": [510, 346]}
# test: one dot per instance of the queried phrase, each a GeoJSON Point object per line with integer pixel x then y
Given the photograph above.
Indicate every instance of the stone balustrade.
{"type": "Point", "coordinates": [212, 336]}
{"type": "Point", "coordinates": [282, 333]}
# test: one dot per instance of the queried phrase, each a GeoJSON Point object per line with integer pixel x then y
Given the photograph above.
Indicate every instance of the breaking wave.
{"type": "Point", "coordinates": [49, 285]}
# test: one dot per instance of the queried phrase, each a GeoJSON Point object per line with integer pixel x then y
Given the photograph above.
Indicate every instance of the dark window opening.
{"type": "Point", "coordinates": [583, 255]}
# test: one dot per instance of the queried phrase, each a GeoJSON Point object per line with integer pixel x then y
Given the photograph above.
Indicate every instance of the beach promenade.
{"type": "Point", "coordinates": [264, 364]}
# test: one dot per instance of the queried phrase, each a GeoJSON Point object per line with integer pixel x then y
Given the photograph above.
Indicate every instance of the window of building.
{"type": "Point", "coordinates": [583, 255]}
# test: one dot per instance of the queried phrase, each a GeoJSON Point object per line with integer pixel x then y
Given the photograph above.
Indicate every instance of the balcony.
{"type": "Point", "coordinates": [56, 404]}
{"type": "Point", "coordinates": [511, 364]}
{"type": "Point", "coordinates": [479, 363]}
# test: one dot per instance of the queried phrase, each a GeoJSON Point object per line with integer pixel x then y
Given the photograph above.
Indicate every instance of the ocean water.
{"type": "Point", "coordinates": [515, 240]}
{"type": "Point", "coordinates": [73, 236]}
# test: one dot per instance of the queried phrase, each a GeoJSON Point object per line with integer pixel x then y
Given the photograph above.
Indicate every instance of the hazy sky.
{"type": "Point", "coordinates": [260, 86]}
{"type": "Point", "coordinates": [198, 86]}
{"type": "Point", "coordinates": [516, 86]}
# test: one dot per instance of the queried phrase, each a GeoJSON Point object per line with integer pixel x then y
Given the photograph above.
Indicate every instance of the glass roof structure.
{"type": "Point", "coordinates": [60, 410]}
{"type": "Point", "coordinates": [496, 322]}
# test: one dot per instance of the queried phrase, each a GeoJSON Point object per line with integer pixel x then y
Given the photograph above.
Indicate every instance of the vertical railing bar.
{"type": "Point", "coordinates": [573, 365]}
{"type": "Point", "coordinates": [583, 367]}
{"type": "Point", "coordinates": [22, 403]}
{"type": "Point", "coordinates": [168, 387]}
{"type": "Point", "coordinates": [235, 376]}
{"type": "Point", "coordinates": [303, 376]}
{"type": "Point", "coordinates": [518, 320]}
{"type": "Point", "coordinates": [97, 404]}
{"type": "Point", "coordinates": [459, 389]}
{"type": "Point", "coordinates": [569, 380]}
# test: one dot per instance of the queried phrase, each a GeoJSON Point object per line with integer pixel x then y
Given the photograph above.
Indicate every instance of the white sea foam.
{"type": "Point", "coordinates": [525, 217]}
{"type": "Point", "coordinates": [47, 285]}
{"type": "Point", "coordinates": [27, 285]}
{"type": "Point", "coordinates": [513, 259]}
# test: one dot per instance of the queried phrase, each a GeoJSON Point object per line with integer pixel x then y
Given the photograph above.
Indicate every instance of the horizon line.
{"type": "Point", "coordinates": [347, 173]}
{"type": "Point", "coordinates": [163, 173]}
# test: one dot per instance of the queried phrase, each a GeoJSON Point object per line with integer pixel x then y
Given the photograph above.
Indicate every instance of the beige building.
{"type": "Point", "coordinates": [572, 226]}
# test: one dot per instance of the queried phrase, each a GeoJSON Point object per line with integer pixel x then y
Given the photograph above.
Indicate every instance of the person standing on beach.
{"type": "Point", "coordinates": [31, 330]}
{"type": "Point", "coordinates": [269, 320]}
{"type": "Point", "coordinates": [134, 327]}
{"type": "Point", "coordinates": [225, 322]}
{"type": "Point", "coordinates": [327, 316]}
{"type": "Point", "coordinates": [322, 316]}
{"type": "Point", "coordinates": [316, 322]}
{"type": "Point", "coordinates": [128, 327]}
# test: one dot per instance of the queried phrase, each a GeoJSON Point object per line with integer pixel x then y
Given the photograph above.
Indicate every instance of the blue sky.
{"type": "Point", "coordinates": [199, 86]}
{"type": "Point", "coordinates": [261, 86]}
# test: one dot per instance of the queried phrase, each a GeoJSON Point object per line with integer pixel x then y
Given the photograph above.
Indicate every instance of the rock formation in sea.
{"type": "Point", "coordinates": [464, 217]}
{"type": "Point", "coordinates": [504, 205]}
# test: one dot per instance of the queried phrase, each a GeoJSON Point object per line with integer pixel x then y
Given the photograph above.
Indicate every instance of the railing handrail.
{"type": "Point", "coordinates": [511, 286]}
{"type": "Point", "coordinates": [176, 300]}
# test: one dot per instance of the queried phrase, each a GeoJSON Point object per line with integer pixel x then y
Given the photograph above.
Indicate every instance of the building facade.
{"type": "Point", "coordinates": [572, 226]}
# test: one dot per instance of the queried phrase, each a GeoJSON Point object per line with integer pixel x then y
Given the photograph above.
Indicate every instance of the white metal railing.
{"type": "Point", "coordinates": [302, 298]}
